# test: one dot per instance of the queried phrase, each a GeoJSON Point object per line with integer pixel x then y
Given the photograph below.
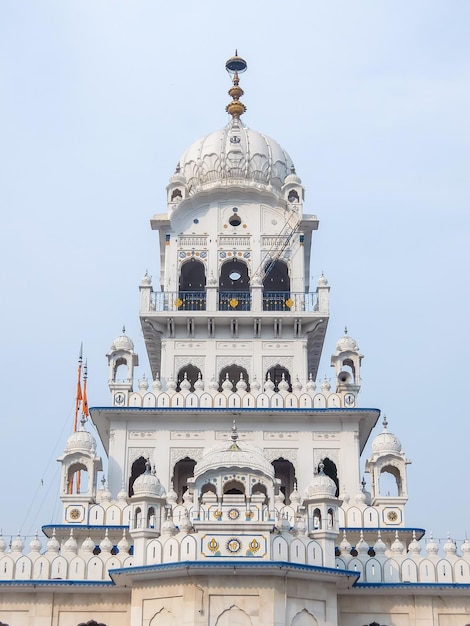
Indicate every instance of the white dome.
{"type": "Point", "coordinates": [123, 342]}
{"type": "Point", "coordinates": [321, 486]}
{"type": "Point", "coordinates": [234, 154]}
{"type": "Point", "coordinates": [80, 441]}
{"type": "Point", "coordinates": [346, 344]}
{"type": "Point", "coordinates": [386, 441]}
{"type": "Point", "coordinates": [148, 484]}
{"type": "Point", "coordinates": [236, 454]}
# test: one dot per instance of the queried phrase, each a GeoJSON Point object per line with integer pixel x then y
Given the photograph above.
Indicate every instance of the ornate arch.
{"type": "Point", "coordinates": [177, 454]}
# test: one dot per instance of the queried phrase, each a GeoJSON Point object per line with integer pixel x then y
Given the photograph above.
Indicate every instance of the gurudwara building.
{"type": "Point", "coordinates": [234, 492]}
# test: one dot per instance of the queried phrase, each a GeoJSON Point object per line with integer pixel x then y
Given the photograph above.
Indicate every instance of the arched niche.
{"type": "Point", "coordinates": [285, 472]}
{"type": "Point", "coordinates": [390, 483]}
{"type": "Point", "coordinates": [77, 478]}
{"type": "Point", "coordinates": [234, 286]}
{"type": "Point", "coordinates": [276, 286]}
{"type": "Point", "coordinates": [182, 470]}
{"type": "Point", "coordinates": [234, 487]}
{"type": "Point", "coordinates": [276, 373]}
{"type": "Point", "coordinates": [234, 373]}
{"type": "Point", "coordinates": [330, 469]}
{"type": "Point", "coordinates": [191, 373]}
{"type": "Point", "coordinates": [192, 286]}
{"type": "Point", "coordinates": [138, 468]}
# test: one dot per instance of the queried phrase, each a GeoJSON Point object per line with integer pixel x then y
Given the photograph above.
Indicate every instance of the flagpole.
{"type": "Point", "coordinates": [78, 397]}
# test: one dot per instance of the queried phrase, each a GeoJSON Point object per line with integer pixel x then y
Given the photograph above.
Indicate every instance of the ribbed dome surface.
{"type": "Point", "coordinates": [234, 154]}
{"type": "Point", "coordinates": [238, 455]}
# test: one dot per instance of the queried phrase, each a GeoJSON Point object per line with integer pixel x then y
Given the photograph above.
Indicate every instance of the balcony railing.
{"type": "Point", "coordinates": [233, 301]}
{"type": "Point", "coordinates": [288, 301]}
{"type": "Point", "coordinates": [179, 300]}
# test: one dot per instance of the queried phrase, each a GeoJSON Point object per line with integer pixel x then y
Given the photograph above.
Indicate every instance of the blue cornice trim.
{"type": "Point", "coordinates": [176, 409]}
{"type": "Point", "coordinates": [235, 563]}
{"type": "Point", "coordinates": [62, 583]}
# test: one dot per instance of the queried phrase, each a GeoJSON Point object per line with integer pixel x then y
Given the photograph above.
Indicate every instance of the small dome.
{"type": "Point", "coordinates": [321, 486]}
{"type": "Point", "coordinates": [292, 177]}
{"type": "Point", "coordinates": [17, 544]}
{"type": "Point", "coordinates": [80, 441]}
{"type": "Point", "coordinates": [53, 545]}
{"type": "Point", "coordinates": [347, 343]}
{"type": "Point", "coordinates": [88, 545]}
{"type": "Point", "coordinates": [234, 155]}
{"type": "Point", "coordinates": [148, 484]}
{"type": "Point", "coordinates": [386, 442]}
{"type": "Point", "coordinates": [71, 545]}
{"type": "Point", "coordinates": [143, 384]}
{"type": "Point", "coordinates": [322, 281]}
{"type": "Point", "coordinates": [123, 342]}
{"type": "Point", "coordinates": [234, 454]}
{"type": "Point", "coordinates": [106, 544]}
{"type": "Point", "coordinates": [123, 545]}
{"type": "Point", "coordinates": [35, 545]}
{"type": "Point", "coordinates": [146, 280]}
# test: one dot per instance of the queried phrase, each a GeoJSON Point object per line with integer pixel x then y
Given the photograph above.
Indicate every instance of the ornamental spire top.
{"type": "Point", "coordinates": [234, 66]}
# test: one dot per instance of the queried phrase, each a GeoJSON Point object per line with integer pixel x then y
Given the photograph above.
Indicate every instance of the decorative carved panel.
{"type": "Point", "coordinates": [287, 434]}
{"type": "Point", "coordinates": [176, 454]}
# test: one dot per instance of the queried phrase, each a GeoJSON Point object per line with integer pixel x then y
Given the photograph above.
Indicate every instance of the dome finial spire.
{"type": "Point", "coordinates": [234, 66]}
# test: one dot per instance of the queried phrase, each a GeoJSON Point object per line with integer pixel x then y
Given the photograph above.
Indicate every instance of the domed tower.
{"type": "Point", "coordinates": [347, 363]}
{"type": "Point", "coordinates": [121, 360]}
{"type": "Point", "coordinates": [387, 468]}
{"type": "Point", "coordinates": [235, 263]}
{"type": "Point", "coordinates": [234, 490]}
{"type": "Point", "coordinates": [322, 514]}
{"type": "Point", "coordinates": [80, 467]}
{"type": "Point", "coordinates": [148, 507]}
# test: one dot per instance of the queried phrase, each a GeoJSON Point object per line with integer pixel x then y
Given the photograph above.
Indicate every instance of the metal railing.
{"type": "Point", "coordinates": [233, 301]}
{"type": "Point", "coordinates": [289, 301]}
{"type": "Point", "coordinates": [179, 300]}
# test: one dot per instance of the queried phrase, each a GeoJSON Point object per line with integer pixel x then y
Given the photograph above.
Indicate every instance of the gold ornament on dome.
{"type": "Point", "coordinates": [234, 66]}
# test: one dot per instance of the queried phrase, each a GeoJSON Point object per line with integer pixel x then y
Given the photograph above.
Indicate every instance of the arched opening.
{"type": "Point", "coordinates": [208, 491]}
{"type": "Point", "coordinates": [182, 470]}
{"type": "Point", "coordinates": [138, 468]}
{"type": "Point", "coordinates": [234, 373]}
{"type": "Point", "coordinates": [138, 518]}
{"type": "Point", "coordinates": [317, 521]}
{"type": "Point", "coordinates": [276, 287]}
{"type": "Point", "coordinates": [234, 487]}
{"type": "Point", "coordinates": [151, 517]}
{"type": "Point", "coordinates": [285, 472]}
{"type": "Point", "coordinates": [260, 489]}
{"type": "Point", "coordinates": [276, 374]}
{"type": "Point", "coordinates": [329, 469]}
{"type": "Point", "coordinates": [176, 195]}
{"type": "Point", "coordinates": [390, 481]}
{"type": "Point", "coordinates": [121, 370]}
{"type": "Point", "coordinates": [77, 478]}
{"type": "Point", "coordinates": [191, 373]}
{"type": "Point", "coordinates": [192, 286]}
{"type": "Point", "coordinates": [293, 196]}
{"type": "Point", "coordinates": [234, 286]}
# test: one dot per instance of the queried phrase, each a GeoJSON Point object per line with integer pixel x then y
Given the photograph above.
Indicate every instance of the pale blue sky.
{"type": "Point", "coordinates": [98, 99]}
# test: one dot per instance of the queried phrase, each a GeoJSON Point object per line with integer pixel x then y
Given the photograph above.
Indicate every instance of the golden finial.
{"type": "Point", "coordinates": [234, 66]}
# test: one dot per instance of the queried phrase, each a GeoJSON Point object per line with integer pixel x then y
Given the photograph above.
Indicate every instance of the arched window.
{"type": "Point", "coordinates": [233, 373]}
{"type": "Point", "coordinates": [285, 471]}
{"type": "Point", "coordinates": [276, 287]}
{"type": "Point", "coordinates": [191, 372]}
{"type": "Point", "coordinates": [183, 470]}
{"type": "Point", "coordinates": [234, 286]}
{"type": "Point", "coordinates": [121, 370]}
{"type": "Point", "coordinates": [234, 487]}
{"type": "Point", "coordinates": [192, 286]}
{"type": "Point", "coordinates": [276, 373]}
{"type": "Point", "coordinates": [390, 481]}
{"type": "Point", "coordinates": [329, 468]}
{"type": "Point", "coordinates": [176, 195]}
{"type": "Point", "coordinates": [77, 478]}
{"type": "Point", "coordinates": [138, 468]}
